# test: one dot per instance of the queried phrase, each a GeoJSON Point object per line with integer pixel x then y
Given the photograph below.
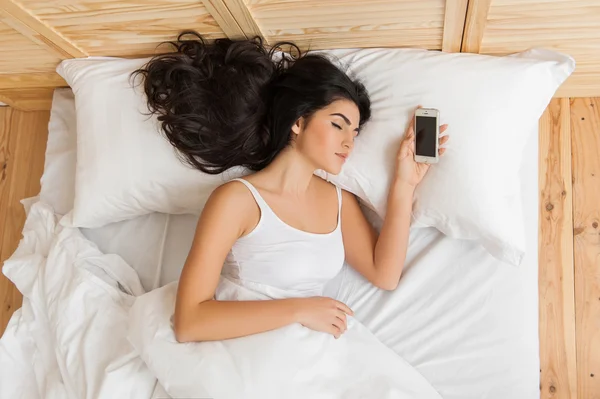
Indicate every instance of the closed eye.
{"type": "Point", "coordinates": [336, 125]}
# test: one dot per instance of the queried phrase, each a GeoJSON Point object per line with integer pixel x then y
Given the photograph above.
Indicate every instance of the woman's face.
{"type": "Point", "coordinates": [327, 139]}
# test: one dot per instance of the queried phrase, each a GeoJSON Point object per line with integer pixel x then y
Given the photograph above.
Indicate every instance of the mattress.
{"type": "Point", "coordinates": [465, 320]}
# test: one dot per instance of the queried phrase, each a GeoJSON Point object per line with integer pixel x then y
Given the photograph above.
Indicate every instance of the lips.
{"type": "Point", "coordinates": [343, 156]}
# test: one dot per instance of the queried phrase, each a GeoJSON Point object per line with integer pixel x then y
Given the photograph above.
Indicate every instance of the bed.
{"type": "Point", "coordinates": [464, 320]}
{"type": "Point", "coordinates": [436, 321]}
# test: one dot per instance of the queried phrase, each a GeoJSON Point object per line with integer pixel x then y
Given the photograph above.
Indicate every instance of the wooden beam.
{"type": "Point", "coordinates": [585, 122]}
{"type": "Point", "coordinates": [558, 377]}
{"type": "Point", "coordinates": [31, 80]}
{"type": "Point", "coordinates": [234, 18]}
{"type": "Point", "coordinates": [224, 18]}
{"type": "Point", "coordinates": [20, 19]}
{"type": "Point", "coordinates": [477, 12]}
{"type": "Point", "coordinates": [580, 85]}
{"type": "Point", "coordinates": [30, 99]}
{"type": "Point", "coordinates": [455, 15]}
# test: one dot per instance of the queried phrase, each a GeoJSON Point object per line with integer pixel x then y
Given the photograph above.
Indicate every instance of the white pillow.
{"type": "Point", "coordinates": [58, 180]}
{"type": "Point", "coordinates": [492, 105]}
{"type": "Point", "coordinates": [125, 167]}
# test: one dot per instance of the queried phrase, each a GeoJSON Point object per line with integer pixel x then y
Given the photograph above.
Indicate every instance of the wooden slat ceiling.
{"type": "Point", "coordinates": [122, 28]}
{"type": "Point", "coordinates": [21, 55]}
{"type": "Point", "coordinates": [572, 27]}
{"type": "Point", "coordinates": [349, 23]}
{"type": "Point", "coordinates": [37, 34]}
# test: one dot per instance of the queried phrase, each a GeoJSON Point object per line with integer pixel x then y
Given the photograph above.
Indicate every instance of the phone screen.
{"type": "Point", "coordinates": [426, 135]}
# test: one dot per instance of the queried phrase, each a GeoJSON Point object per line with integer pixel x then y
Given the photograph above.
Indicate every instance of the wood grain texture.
{"type": "Point", "coordinates": [585, 119]}
{"type": "Point", "coordinates": [21, 55]}
{"type": "Point", "coordinates": [224, 18]}
{"type": "Point", "coordinates": [23, 137]}
{"type": "Point", "coordinates": [352, 23]}
{"type": "Point", "coordinates": [31, 80]}
{"type": "Point", "coordinates": [558, 365]}
{"type": "Point", "coordinates": [28, 99]}
{"type": "Point", "coordinates": [244, 18]}
{"type": "Point", "coordinates": [454, 25]}
{"type": "Point", "coordinates": [14, 15]}
{"type": "Point", "coordinates": [476, 20]}
{"type": "Point", "coordinates": [571, 27]}
{"type": "Point", "coordinates": [123, 27]}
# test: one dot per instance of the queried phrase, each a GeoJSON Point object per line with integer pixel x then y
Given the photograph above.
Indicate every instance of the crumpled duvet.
{"type": "Point", "coordinates": [88, 330]}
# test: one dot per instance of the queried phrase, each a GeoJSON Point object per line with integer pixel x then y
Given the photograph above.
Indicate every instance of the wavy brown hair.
{"type": "Point", "coordinates": [233, 102]}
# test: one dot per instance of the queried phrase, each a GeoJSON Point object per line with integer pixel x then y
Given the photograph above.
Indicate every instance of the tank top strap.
{"type": "Point", "coordinates": [262, 204]}
{"type": "Point", "coordinates": [339, 197]}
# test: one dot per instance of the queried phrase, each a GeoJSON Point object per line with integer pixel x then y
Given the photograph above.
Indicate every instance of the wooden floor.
{"type": "Point", "coordinates": [569, 270]}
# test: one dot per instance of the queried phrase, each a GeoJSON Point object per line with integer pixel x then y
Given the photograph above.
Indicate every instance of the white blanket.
{"type": "Point", "coordinates": [289, 362]}
{"type": "Point", "coordinates": [68, 340]}
{"type": "Point", "coordinates": [74, 323]}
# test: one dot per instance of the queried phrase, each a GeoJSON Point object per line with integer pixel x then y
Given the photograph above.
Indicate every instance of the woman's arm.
{"type": "Point", "coordinates": [228, 214]}
{"type": "Point", "coordinates": [381, 259]}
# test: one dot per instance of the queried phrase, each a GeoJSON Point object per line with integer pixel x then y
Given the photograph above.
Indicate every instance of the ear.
{"type": "Point", "coordinates": [297, 127]}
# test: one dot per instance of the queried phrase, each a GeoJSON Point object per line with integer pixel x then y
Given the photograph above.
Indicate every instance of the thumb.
{"type": "Point", "coordinates": [405, 147]}
{"type": "Point", "coordinates": [410, 139]}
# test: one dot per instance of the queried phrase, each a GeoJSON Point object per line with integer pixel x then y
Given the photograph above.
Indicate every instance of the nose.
{"type": "Point", "coordinates": [348, 144]}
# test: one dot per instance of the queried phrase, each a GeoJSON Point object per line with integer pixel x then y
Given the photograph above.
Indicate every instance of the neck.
{"type": "Point", "coordinates": [290, 172]}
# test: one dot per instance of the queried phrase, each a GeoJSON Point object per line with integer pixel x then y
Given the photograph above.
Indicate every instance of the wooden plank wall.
{"type": "Point", "coordinates": [585, 136]}
{"type": "Point", "coordinates": [569, 246]}
{"type": "Point", "coordinates": [556, 279]}
{"type": "Point", "coordinates": [23, 137]}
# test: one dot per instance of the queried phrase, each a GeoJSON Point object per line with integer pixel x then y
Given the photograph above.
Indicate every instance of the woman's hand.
{"type": "Point", "coordinates": [407, 170]}
{"type": "Point", "coordinates": [323, 314]}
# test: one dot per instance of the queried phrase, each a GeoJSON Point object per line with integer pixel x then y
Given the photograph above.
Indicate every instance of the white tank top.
{"type": "Point", "coordinates": [277, 255]}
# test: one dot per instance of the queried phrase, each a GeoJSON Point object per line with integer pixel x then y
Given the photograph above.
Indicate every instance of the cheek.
{"type": "Point", "coordinates": [326, 140]}
{"type": "Point", "coordinates": [318, 140]}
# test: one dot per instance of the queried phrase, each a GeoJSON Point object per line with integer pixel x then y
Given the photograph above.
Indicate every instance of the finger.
{"type": "Point", "coordinates": [345, 308]}
{"type": "Point", "coordinates": [443, 128]}
{"type": "Point", "coordinates": [409, 138]}
{"type": "Point", "coordinates": [334, 328]}
{"type": "Point", "coordinates": [342, 316]}
{"type": "Point", "coordinates": [341, 325]}
{"type": "Point", "coordinates": [405, 145]}
{"type": "Point", "coordinates": [443, 139]}
{"type": "Point", "coordinates": [403, 153]}
{"type": "Point", "coordinates": [335, 331]}
{"type": "Point", "coordinates": [441, 151]}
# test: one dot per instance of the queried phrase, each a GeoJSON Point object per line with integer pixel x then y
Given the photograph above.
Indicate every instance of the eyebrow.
{"type": "Point", "coordinates": [345, 119]}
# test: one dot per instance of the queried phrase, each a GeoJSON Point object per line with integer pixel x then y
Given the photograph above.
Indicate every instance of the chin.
{"type": "Point", "coordinates": [332, 170]}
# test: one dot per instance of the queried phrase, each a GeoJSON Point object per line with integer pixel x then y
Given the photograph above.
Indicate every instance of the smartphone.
{"type": "Point", "coordinates": [427, 131]}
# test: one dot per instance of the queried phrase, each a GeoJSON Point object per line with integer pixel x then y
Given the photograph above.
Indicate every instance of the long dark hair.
{"type": "Point", "coordinates": [232, 103]}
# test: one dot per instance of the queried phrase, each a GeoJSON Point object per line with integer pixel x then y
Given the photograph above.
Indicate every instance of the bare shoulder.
{"type": "Point", "coordinates": [232, 202]}
{"type": "Point", "coordinates": [232, 190]}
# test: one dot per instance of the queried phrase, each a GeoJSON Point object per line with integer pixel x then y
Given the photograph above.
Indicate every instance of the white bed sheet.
{"type": "Point", "coordinates": [466, 321]}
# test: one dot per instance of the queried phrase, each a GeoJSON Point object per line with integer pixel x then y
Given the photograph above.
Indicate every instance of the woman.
{"type": "Point", "coordinates": [280, 230]}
